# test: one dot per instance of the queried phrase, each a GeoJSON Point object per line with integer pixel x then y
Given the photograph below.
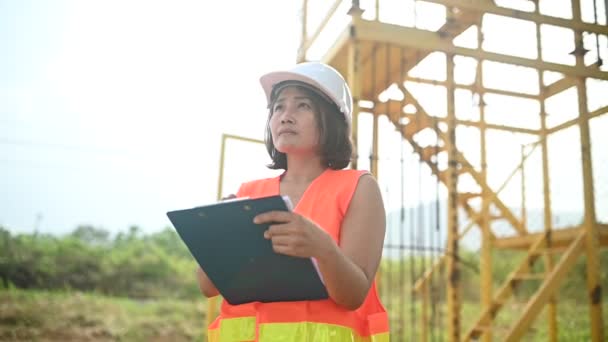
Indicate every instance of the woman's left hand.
{"type": "Point", "coordinates": [295, 235]}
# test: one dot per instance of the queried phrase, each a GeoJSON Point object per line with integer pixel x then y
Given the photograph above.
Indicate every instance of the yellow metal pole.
{"type": "Point", "coordinates": [548, 257]}
{"type": "Point", "coordinates": [374, 171]}
{"type": "Point", "coordinates": [485, 262]}
{"type": "Point", "coordinates": [592, 235]}
{"type": "Point", "coordinates": [373, 81]}
{"type": "Point", "coordinates": [453, 272]}
{"type": "Point", "coordinates": [424, 335]}
{"type": "Point", "coordinates": [220, 179]}
{"type": "Point", "coordinates": [524, 214]}
{"type": "Point", "coordinates": [304, 35]}
{"type": "Point", "coordinates": [374, 161]}
{"type": "Point", "coordinates": [377, 6]}
{"type": "Point", "coordinates": [213, 302]}
{"type": "Point", "coordinates": [354, 82]}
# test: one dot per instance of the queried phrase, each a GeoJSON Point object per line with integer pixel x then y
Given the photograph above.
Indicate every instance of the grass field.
{"type": "Point", "coordinates": [70, 316]}
{"type": "Point", "coordinates": [572, 317]}
{"type": "Point", "coordinates": [73, 316]}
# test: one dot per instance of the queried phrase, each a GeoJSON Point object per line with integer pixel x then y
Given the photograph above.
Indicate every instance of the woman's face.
{"type": "Point", "coordinates": [293, 122]}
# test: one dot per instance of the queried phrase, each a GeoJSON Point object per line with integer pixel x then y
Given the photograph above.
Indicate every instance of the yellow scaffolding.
{"type": "Point", "coordinates": [363, 47]}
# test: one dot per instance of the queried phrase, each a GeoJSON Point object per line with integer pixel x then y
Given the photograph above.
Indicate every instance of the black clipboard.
{"type": "Point", "coordinates": [240, 262]}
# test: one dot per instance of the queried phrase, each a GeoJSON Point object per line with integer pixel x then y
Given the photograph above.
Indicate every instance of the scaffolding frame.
{"type": "Point", "coordinates": [353, 53]}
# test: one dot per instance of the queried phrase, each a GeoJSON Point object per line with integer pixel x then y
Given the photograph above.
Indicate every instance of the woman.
{"type": "Point", "coordinates": [338, 217]}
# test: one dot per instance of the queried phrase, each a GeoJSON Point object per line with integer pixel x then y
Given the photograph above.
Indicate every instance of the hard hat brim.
{"type": "Point", "coordinates": [271, 79]}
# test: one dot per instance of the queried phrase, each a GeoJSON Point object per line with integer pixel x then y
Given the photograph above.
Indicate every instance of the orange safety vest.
{"type": "Point", "coordinates": [325, 202]}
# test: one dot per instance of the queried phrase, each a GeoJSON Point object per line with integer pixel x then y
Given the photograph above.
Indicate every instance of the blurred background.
{"type": "Point", "coordinates": [483, 121]}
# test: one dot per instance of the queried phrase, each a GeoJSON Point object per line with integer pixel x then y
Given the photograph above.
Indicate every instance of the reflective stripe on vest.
{"type": "Point", "coordinates": [243, 329]}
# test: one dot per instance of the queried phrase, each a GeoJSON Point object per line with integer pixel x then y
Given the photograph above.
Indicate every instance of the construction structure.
{"type": "Point", "coordinates": [542, 106]}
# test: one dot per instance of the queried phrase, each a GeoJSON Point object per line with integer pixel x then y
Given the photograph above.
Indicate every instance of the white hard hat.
{"type": "Point", "coordinates": [318, 75]}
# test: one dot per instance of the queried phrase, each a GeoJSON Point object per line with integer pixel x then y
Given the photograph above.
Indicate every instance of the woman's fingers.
{"type": "Point", "coordinates": [273, 216]}
{"type": "Point", "coordinates": [282, 249]}
{"type": "Point", "coordinates": [286, 244]}
{"type": "Point", "coordinates": [279, 229]}
{"type": "Point", "coordinates": [281, 240]}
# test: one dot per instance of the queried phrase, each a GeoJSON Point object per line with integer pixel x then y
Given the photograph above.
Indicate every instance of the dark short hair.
{"type": "Point", "coordinates": [336, 148]}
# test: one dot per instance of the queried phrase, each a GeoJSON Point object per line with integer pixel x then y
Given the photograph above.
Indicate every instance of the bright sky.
{"type": "Point", "coordinates": [111, 112]}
